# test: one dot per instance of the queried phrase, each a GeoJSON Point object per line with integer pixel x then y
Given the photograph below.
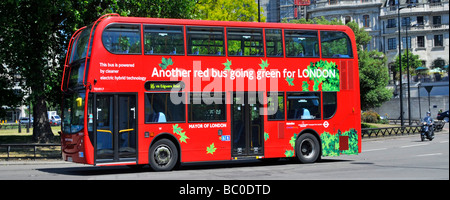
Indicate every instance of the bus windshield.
{"type": "Point", "coordinates": [80, 45]}
{"type": "Point", "coordinates": [73, 112]}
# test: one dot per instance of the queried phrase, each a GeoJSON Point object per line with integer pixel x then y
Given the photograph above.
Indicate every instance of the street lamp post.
{"type": "Point", "coordinates": [407, 71]}
{"type": "Point", "coordinates": [400, 64]}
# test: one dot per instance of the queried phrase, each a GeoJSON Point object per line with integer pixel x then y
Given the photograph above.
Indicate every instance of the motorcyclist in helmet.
{"type": "Point", "coordinates": [429, 121]}
{"type": "Point", "coordinates": [428, 118]}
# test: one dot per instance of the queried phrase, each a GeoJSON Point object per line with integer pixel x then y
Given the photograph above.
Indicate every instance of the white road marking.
{"type": "Point", "coordinates": [431, 154]}
{"type": "Point", "coordinates": [414, 145]}
{"type": "Point", "coordinates": [374, 149]}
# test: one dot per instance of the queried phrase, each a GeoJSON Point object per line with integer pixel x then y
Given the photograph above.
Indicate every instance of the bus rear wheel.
{"type": "Point", "coordinates": [307, 148]}
{"type": "Point", "coordinates": [163, 155]}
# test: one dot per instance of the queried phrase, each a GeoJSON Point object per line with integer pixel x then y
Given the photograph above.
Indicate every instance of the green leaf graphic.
{"type": "Point", "coordinates": [331, 81]}
{"type": "Point", "coordinates": [176, 129]}
{"type": "Point", "coordinates": [305, 86]}
{"type": "Point", "coordinates": [227, 65]}
{"type": "Point", "coordinates": [179, 131]}
{"type": "Point", "coordinates": [165, 63]}
{"type": "Point", "coordinates": [211, 149]}
{"type": "Point", "coordinates": [289, 153]}
{"type": "Point", "coordinates": [292, 141]}
{"type": "Point", "coordinates": [266, 136]}
{"type": "Point", "coordinates": [264, 64]}
{"type": "Point", "coordinates": [290, 81]}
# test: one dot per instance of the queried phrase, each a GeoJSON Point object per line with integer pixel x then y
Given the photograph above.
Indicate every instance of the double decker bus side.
{"type": "Point", "coordinates": [166, 91]}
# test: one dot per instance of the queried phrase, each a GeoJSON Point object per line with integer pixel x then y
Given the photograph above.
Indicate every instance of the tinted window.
{"type": "Point", "coordinates": [303, 105]}
{"type": "Point", "coordinates": [160, 109]}
{"type": "Point", "coordinates": [274, 43]}
{"type": "Point", "coordinates": [275, 106]}
{"type": "Point", "coordinates": [335, 45]}
{"type": "Point", "coordinates": [329, 104]}
{"type": "Point", "coordinates": [245, 42]}
{"type": "Point", "coordinates": [205, 41]}
{"type": "Point", "coordinates": [164, 40]}
{"type": "Point", "coordinates": [122, 39]}
{"type": "Point", "coordinates": [301, 43]}
{"type": "Point", "coordinates": [80, 44]}
{"type": "Point", "coordinates": [209, 108]}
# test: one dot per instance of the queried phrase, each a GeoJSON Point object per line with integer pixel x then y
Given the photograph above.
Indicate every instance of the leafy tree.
{"type": "Point", "coordinates": [438, 63]}
{"type": "Point", "coordinates": [225, 10]}
{"type": "Point", "coordinates": [34, 36]}
{"type": "Point", "coordinates": [414, 62]}
{"type": "Point", "coordinates": [9, 97]}
{"type": "Point", "coordinates": [373, 79]}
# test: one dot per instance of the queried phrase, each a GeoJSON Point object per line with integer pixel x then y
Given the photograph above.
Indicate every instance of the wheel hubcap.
{"type": "Point", "coordinates": [307, 148]}
{"type": "Point", "coordinates": [163, 155]}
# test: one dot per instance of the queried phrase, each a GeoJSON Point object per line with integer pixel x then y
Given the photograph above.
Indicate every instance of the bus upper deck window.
{"type": "Point", "coordinates": [301, 43]}
{"type": "Point", "coordinates": [245, 42]}
{"type": "Point", "coordinates": [335, 44]}
{"type": "Point", "coordinates": [205, 41]}
{"type": "Point", "coordinates": [163, 40]}
{"type": "Point", "coordinates": [122, 39]}
{"type": "Point", "coordinates": [274, 43]}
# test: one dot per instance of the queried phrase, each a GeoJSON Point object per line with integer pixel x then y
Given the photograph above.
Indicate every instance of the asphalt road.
{"type": "Point", "coordinates": [396, 157]}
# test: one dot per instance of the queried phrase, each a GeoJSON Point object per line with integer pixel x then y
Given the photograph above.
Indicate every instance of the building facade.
{"type": "Point", "coordinates": [425, 21]}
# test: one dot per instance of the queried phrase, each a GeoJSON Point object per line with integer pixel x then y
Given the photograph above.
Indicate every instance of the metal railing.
{"type": "Point", "coordinates": [35, 148]}
{"type": "Point", "coordinates": [388, 131]}
{"type": "Point", "coordinates": [409, 129]}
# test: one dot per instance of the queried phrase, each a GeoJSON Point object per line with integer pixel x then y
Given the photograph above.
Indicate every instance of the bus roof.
{"type": "Point", "coordinates": [192, 22]}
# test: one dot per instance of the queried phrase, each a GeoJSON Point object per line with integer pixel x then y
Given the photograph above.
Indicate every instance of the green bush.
{"type": "Point", "coordinates": [370, 117]}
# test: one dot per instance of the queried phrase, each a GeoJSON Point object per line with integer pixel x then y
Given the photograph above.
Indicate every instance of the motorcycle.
{"type": "Point", "coordinates": [427, 131]}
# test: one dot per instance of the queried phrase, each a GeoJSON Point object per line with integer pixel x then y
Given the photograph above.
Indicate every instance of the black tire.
{"type": "Point", "coordinates": [307, 148]}
{"type": "Point", "coordinates": [163, 155]}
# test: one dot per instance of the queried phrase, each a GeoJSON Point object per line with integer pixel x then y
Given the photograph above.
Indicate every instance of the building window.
{"type": "Point", "coordinates": [420, 41]}
{"type": "Point", "coordinates": [438, 40]}
{"type": "Point", "coordinates": [391, 23]}
{"type": "Point", "coordinates": [333, 2]}
{"type": "Point", "coordinates": [437, 20]}
{"type": "Point", "coordinates": [348, 19]}
{"type": "Point", "coordinates": [404, 42]}
{"type": "Point", "coordinates": [406, 21]}
{"type": "Point", "coordinates": [392, 43]}
{"type": "Point", "coordinates": [419, 20]}
{"type": "Point", "coordinates": [366, 20]}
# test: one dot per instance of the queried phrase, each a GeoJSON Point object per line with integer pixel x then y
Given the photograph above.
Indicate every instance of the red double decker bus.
{"type": "Point", "coordinates": [168, 91]}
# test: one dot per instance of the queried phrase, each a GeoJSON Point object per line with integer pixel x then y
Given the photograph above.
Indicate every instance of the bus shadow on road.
{"type": "Point", "coordinates": [111, 170]}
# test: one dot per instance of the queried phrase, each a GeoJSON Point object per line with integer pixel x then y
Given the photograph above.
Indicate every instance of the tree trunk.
{"type": "Point", "coordinates": [42, 132]}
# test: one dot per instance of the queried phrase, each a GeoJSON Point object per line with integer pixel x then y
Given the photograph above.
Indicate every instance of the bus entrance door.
{"type": "Point", "coordinates": [247, 125]}
{"type": "Point", "coordinates": [115, 117]}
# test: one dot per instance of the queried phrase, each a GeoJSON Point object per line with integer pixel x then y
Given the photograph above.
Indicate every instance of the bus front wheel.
{"type": "Point", "coordinates": [163, 155]}
{"type": "Point", "coordinates": [307, 148]}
